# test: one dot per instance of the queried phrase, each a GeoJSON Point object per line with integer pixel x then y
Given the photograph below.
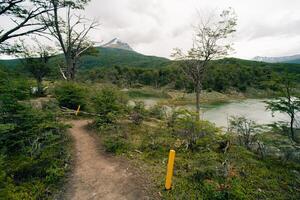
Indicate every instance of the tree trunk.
{"type": "Point", "coordinates": [198, 91]}
{"type": "Point", "coordinates": [73, 72]}
{"type": "Point", "coordinates": [40, 91]}
{"type": "Point", "coordinates": [292, 128]}
{"type": "Point", "coordinates": [70, 69]}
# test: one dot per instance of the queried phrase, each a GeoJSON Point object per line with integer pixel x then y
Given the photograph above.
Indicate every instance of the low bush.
{"type": "Point", "coordinates": [109, 104]}
{"type": "Point", "coordinates": [188, 127]}
{"type": "Point", "coordinates": [246, 130]}
{"type": "Point", "coordinates": [116, 145]}
{"type": "Point", "coordinates": [147, 93]}
{"type": "Point", "coordinates": [18, 88]}
{"type": "Point", "coordinates": [70, 95]}
{"type": "Point", "coordinates": [34, 151]}
{"type": "Point", "coordinates": [157, 111]}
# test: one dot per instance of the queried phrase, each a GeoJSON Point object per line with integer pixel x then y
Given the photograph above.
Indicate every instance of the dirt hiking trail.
{"type": "Point", "coordinates": [98, 176]}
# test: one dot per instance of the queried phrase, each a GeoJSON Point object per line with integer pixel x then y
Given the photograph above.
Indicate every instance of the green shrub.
{"type": "Point", "coordinates": [109, 104]}
{"type": "Point", "coordinates": [34, 148]}
{"type": "Point", "coordinates": [186, 125]}
{"type": "Point", "coordinates": [245, 129]}
{"type": "Point", "coordinates": [157, 111]}
{"type": "Point", "coordinates": [70, 95]}
{"type": "Point", "coordinates": [152, 148]}
{"type": "Point", "coordinates": [147, 93]}
{"type": "Point", "coordinates": [2, 171]}
{"type": "Point", "coordinates": [18, 88]}
{"type": "Point", "coordinates": [116, 145]}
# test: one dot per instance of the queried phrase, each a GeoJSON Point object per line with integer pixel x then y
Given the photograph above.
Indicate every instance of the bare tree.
{"type": "Point", "coordinates": [22, 18]}
{"type": "Point", "coordinates": [36, 60]}
{"type": "Point", "coordinates": [71, 34]}
{"type": "Point", "coordinates": [209, 43]}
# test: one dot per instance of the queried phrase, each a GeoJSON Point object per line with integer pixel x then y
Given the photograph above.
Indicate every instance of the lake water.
{"type": "Point", "coordinates": [254, 109]}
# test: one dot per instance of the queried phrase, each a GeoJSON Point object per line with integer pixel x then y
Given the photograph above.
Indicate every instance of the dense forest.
{"type": "Point", "coordinates": [222, 76]}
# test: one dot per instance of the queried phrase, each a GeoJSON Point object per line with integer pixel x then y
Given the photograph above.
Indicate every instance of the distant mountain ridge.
{"type": "Point", "coordinates": [116, 43]}
{"type": "Point", "coordinates": [107, 57]}
{"type": "Point", "coordinates": [284, 59]}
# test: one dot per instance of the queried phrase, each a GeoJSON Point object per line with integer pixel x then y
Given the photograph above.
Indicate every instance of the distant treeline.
{"type": "Point", "coordinates": [221, 76]}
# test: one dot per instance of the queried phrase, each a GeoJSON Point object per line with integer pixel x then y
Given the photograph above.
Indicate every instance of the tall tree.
{"type": "Point", "coordinates": [36, 61]}
{"type": "Point", "coordinates": [21, 16]}
{"type": "Point", "coordinates": [288, 102]}
{"type": "Point", "coordinates": [210, 42]}
{"type": "Point", "coordinates": [71, 34]}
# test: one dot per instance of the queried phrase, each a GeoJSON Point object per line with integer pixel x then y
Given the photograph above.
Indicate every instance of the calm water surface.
{"type": "Point", "coordinates": [254, 109]}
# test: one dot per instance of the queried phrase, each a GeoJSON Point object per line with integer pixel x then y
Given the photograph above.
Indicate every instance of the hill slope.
{"type": "Point", "coordinates": [108, 57]}
{"type": "Point", "coordinates": [123, 58]}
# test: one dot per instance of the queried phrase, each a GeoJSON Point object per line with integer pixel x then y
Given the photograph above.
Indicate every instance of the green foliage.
{"type": "Point", "coordinates": [17, 87]}
{"type": "Point", "coordinates": [70, 95]}
{"type": "Point", "coordinates": [116, 145]}
{"type": "Point", "coordinates": [223, 75]}
{"type": "Point", "coordinates": [190, 129]}
{"type": "Point", "coordinates": [34, 151]}
{"type": "Point", "coordinates": [109, 104]}
{"type": "Point", "coordinates": [246, 130]}
{"type": "Point", "coordinates": [157, 111]}
{"type": "Point", "coordinates": [288, 101]}
{"type": "Point", "coordinates": [119, 67]}
{"type": "Point", "coordinates": [147, 93]}
{"type": "Point", "coordinates": [206, 173]}
{"type": "Point", "coordinates": [38, 68]}
{"type": "Point", "coordinates": [122, 58]}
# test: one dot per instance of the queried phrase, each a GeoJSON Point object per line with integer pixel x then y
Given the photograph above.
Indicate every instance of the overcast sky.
{"type": "Point", "coordinates": [155, 27]}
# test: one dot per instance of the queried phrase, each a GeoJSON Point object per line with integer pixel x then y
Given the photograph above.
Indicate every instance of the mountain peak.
{"type": "Point", "coordinates": [117, 44]}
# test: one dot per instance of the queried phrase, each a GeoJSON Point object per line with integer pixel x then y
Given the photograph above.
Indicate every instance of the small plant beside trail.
{"type": "Point", "coordinates": [70, 95]}
{"type": "Point", "coordinates": [34, 150]}
{"type": "Point", "coordinates": [109, 104]}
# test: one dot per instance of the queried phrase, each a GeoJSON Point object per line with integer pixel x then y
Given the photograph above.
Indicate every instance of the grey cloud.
{"type": "Point", "coordinates": [282, 29]}
{"type": "Point", "coordinates": [157, 26]}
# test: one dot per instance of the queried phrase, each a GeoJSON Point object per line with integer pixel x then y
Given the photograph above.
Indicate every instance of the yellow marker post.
{"type": "Point", "coordinates": [77, 111]}
{"type": "Point", "coordinates": [170, 169]}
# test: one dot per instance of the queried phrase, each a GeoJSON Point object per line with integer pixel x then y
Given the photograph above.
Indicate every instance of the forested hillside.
{"type": "Point", "coordinates": [106, 57]}
{"type": "Point", "coordinates": [128, 68]}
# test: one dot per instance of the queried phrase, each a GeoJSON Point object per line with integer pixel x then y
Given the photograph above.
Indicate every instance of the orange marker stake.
{"type": "Point", "coordinates": [170, 170]}
{"type": "Point", "coordinates": [77, 111]}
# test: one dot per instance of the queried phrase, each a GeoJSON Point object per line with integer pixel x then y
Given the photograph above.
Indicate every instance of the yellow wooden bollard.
{"type": "Point", "coordinates": [77, 111]}
{"type": "Point", "coordinates": [170, 169]}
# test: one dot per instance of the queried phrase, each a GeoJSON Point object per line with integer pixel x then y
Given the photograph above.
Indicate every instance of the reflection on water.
{"type": "Point", "coordinates": [254, 109]}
